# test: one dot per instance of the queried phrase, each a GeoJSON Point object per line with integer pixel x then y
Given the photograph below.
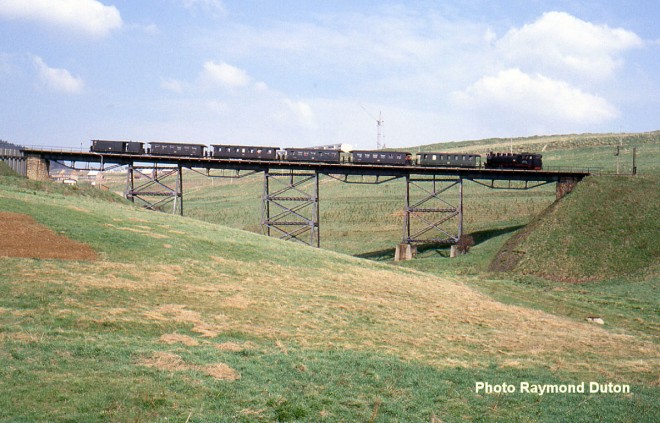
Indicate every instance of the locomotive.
{"type": "Point", "coordinates": [526, 161]}
{"type": "Point", "coordinates": [514, 161]}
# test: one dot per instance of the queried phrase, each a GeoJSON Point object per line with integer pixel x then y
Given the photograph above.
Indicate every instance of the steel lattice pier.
{"type": "Point", "coordinates": [429, 217]}
{"type": "Point", "coordinates": [290, 206]}
{"type": "Point", "coordinates": [155, 191]}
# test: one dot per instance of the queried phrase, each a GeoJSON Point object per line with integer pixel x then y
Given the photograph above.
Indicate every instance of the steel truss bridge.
{"type": "Point", "coordinates": [433, 196]}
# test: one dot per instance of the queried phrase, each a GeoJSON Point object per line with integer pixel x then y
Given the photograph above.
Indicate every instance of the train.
{"type": "Point", "coordinates": [493, 160]}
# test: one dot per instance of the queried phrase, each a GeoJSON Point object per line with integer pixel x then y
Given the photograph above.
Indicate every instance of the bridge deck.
{"type": "Point", "coordinates": [324, 168]}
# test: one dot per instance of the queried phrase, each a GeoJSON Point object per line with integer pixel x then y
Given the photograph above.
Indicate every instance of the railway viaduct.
{"type": "Point", "coordinates": [433, 211]}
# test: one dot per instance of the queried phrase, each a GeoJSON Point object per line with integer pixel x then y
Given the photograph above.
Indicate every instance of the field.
{"type": "Point", "coordinates": [182, 319]}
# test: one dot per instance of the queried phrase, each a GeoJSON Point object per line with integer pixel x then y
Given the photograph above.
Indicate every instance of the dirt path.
{"type": "Point", "coordinates": [21, 236]}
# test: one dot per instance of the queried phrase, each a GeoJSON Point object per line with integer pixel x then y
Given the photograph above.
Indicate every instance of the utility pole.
{"type": "Point", "coordinates": [618, 156]}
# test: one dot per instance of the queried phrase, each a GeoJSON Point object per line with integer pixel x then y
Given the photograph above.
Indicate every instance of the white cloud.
{"type": "Point", "coordinates": [514, 96]}
{"type": "Point", "coordinates": [88, 16]}
{"type": "Point", "coordinates": [303, 112]}
{"type": "Point", "coordinates": [214, 7]}
{"type": "Point", "coordinates": [173, 85]}
{"type": "Point", "coordinates": [559, 42]}
{"type": "Point", "coordinates": [410, 66]}
{"type": "Point", "coordinates": [225, 75]}
{"type": "Point", "coordinates": [59, 80]}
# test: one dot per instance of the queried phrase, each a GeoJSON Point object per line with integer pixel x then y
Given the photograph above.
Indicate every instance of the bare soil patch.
{"type": "Point", "coordinates": [21, 236]}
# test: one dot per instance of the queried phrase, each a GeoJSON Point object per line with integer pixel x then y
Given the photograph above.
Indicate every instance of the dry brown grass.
{"type": "Point", "coordinates": [179, 313]}
{"type": "Point", "coordinates": [174, 338]}
{"type": "Point", "coordinates": [235, 346]}
{"type": "Point", "coordinates": [144, 230]}
{"type": "Point", "coordinates": [349, 303]}
{"type": "Point", "coordinates": [171, 362]}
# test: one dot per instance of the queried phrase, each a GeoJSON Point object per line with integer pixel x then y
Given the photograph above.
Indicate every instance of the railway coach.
{"type": "Point", "coordinates": [449, 159]}
{"type": "Point", "coordinates": [401, 158]}
{"type": "Point", "coordinates": [117, 147]}
{"type": "Point", "coordinates": [244, 152]}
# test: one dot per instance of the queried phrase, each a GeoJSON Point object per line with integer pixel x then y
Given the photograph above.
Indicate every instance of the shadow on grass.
{"type": "Point", "coordinates": [441, 249]}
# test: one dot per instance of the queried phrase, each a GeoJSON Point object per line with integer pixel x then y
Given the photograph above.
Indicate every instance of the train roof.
{"type": "Point", "coordinates": [308, 149]}
{"type": "Point", "coordinates": [505, 153]}
{"type": "Point", "coordinates": [380, 151]}
{"type": "Point", "coordinates": [176, 143]}
{"type": "Point", "coordinates": [447, 153]}
{"type": "Point", "coordinates": [117, 141]}
{"type": "Point", "coordinates": [243, 146]}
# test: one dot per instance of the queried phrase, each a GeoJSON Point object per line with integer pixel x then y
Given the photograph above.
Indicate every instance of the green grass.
{"type": "Point", "coordinates": [314, 335]}
{"type": "Point", "coordinates": [299, 385]}
{"type": "Point", "coordinates": [320, 336]}
{"type": "Point", "coordinates": [607, 227]}
{"type": "Point", "coordinates": [5, 170]}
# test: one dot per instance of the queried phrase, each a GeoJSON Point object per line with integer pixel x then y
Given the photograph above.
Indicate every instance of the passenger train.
{"type": "Point", "coordinates": [528, 161]}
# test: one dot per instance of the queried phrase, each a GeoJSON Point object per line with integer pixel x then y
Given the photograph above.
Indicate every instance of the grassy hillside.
{"type": "Point", "coordinates": [367, 220]}
{"type": "Point", "coordinates": [576, 150]}
{"type": "Point", "coordinates": [184, 320]}
{"type": "Point", "coordinates": [5, 170]}
{"type": "Point", "coordinates": [606, 228]}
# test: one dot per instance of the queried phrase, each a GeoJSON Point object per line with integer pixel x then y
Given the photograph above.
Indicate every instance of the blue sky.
{"type": "Point", "coordinates": [300, 73]}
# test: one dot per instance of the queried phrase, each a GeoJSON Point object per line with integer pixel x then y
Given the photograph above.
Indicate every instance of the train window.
{"type": "Point", "coordinates": [434, 157]}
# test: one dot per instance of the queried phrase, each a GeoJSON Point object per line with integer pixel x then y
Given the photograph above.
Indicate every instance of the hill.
{"type": "Point", "coordinates": [574, 150]}
{"type": "Point", "coordinates": [606, 228]}
{"type": "Point", "coordinates": [180, 319]}
{"type": "Point", "coordinates": [5, 170]}
{"type": "Point", "coordinates": [547, 143]}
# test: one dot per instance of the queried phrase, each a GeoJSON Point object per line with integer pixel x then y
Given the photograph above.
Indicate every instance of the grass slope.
{"type": "Point", "coordinates": [606, 228]}
{"type": "Point", "coordinates": [182, 319]}
{"type": "Point", "coordinates": [5, 170]}
{"type": "Point", "coordinates": [595, 151]}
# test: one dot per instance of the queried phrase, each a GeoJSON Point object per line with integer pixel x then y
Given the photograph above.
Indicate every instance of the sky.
{"type": "Point", "coordinates": [312, 72]}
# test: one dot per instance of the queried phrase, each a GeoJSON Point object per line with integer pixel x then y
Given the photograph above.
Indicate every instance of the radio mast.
{"type": "Point", "coordinates": [380, 142]}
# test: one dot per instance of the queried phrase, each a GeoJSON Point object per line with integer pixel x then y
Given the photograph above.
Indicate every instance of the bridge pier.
{"type": "Point", "coordinates": [154, 192]}
{"type": "Point", "coordinates": [565, 185]}
{"type": "Point", "coordinates": [37, 168]}
{"type": "Point", "coordinates": [290, 206]}
{"type": "Point", "coordinates": [429, 218]}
